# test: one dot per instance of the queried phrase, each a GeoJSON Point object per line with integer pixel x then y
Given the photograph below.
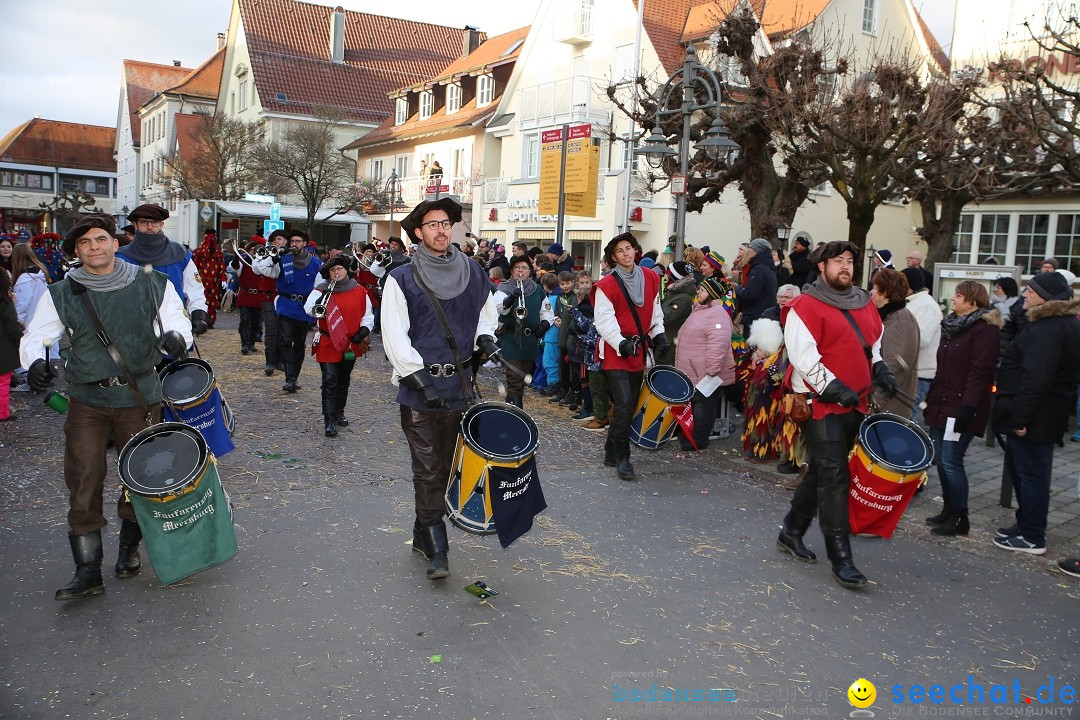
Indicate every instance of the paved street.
{"type": "Point", "coordinates": [674, 580]}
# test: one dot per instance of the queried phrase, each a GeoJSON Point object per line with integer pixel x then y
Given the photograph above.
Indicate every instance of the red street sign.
{"type": "Point", "coordinates": [577, 131]}
{"type": "Point", "coordinates": [438, 188]}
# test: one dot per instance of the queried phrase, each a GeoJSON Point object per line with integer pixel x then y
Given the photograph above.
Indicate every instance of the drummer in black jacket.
{"type": "Point", "coordinates": [143, 317]}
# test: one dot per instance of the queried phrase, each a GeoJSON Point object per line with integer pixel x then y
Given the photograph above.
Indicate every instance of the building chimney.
{"type": "Point", "coordinates": [220, 40]}
{"type": "Point", "coordinates": [470, 40]}
{"type": "Point", "coordinates": [176, 63]}
{"type": "Point", "coordinates": [337, 35]}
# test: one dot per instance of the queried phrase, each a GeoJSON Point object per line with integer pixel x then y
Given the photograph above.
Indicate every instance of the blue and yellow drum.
{"type": "Point", "coordinates": [492, 435]}
{"type": "Point", "coordinates": [652, 425]}
{"type": "Point", "coordinates": [191, 395]}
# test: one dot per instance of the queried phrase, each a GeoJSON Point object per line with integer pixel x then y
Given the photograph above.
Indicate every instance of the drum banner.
{"type": "Point", "coordinates": [190, 533]}
{"type": "Point", "coordinates": [209, 418]}
{"type": "Point", "coordinates": [875, 505]}
{"type": "Point", "coordinates": [516, 498]}
{"type": "Point", "coordinates": [684, 415]}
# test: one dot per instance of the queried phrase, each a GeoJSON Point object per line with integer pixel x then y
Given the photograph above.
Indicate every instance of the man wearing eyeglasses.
{"type": "Point", "coordinates": [152, 247]}
{"type": "Point", "coordinates": [431, 361]}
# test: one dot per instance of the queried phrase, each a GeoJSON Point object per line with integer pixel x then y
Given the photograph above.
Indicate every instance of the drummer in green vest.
{"type": "Point", "coordinates": [142, 317]}
{"type": "Point", "coordinates": [523, 321]}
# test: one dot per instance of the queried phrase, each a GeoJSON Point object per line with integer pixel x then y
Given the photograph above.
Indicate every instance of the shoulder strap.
{"type": "Point", "coordinates": [858, 334]}
{"type": "Point", "coordinates": [458, 361]}
{"type": "Point", "coordinates": [630, 303]}
{"type": "Point", "coordinates": [103, 335]}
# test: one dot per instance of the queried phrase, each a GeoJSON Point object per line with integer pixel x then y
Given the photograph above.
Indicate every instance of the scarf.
{"type": "Point", "coordinates": [153, 249]}
{"type": "Point", "coordinates": [122, 275]}
{"type": "Point", "coordinates": [954, 324]}
{"type": "Point", "coordinates": [301, 259]}
{"type": "Point", "coordinates": [851, 299]}
{"type": "Point", "coordinates": [634, 282]}
{"type": "Point", "coordinates": [889, 308]}
{"type": "Point", "coordinates": [447, 275]}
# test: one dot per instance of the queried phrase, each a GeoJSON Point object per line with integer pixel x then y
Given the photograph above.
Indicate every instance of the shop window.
{"type": "Point", "coordinates": [1031, 237]}
{"type": "Point", "coordinates": [964, 235]}
{"type": "Point", "coordinates": [993, 237]}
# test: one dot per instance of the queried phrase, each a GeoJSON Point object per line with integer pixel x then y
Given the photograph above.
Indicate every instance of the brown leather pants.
{"type": "Point", "coordinates": [432, 438]}
{"type": "Point", "coordinates": [87, 431]}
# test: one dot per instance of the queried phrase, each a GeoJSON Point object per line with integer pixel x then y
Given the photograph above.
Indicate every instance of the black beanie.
{"type": "Point", "coordinates": [1051, 286]}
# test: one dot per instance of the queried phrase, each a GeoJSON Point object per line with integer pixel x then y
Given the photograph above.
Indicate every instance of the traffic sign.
{"type": "Point", "coordinates": [678, 184]}
{"type": "Point", "coordinates": [270, 226]}
{"type": "Point", "coordinates": [275, 212]}
{"type": "Point", "coordinates": [207, 214]}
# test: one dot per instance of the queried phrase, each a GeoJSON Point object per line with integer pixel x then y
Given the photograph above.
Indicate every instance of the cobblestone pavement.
{"type": "Point", "coordinates": [674, 579]}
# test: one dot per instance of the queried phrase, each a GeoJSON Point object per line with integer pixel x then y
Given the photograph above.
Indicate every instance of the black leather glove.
{"type": "Point", "coordinates": [39, 375]}
{"type": "Point", "coordinates": [511, 299]}
{"type": "Point", "coordinates": [276, 258]}
{"type": "Point", "coordinates": [198, 322]}
{"type": "Point", "coordinates": [884, 378]}
{"type": "Point", "coordinates": [422, 382]}
{"type": "Point", "coordinates": [487, 345]}
{"type": "Point", "coordinates": [172, 344]}
{"type": "Point", "coordinates": [660, 343]}
{"type": "Point", "coordinates": [839, 393]}
{"type": "Point", "coordinates": [544, 327]}
{"type": "Point", "coordinates": [359, 336]}
{"type": "Point", "coordinates": [628, 347]}
{"type": "Point", "coordinates": [964, 418]}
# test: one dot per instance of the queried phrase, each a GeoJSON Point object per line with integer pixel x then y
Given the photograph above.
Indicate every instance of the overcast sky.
{"type": "Point", "coordinates": [62, 58]}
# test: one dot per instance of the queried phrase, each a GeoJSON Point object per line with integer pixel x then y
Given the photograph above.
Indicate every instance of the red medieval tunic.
{"type": "Point", "coordinates": [254, 289]}
{"type": "Point", "coordinates": [210, 263]}
{"type": "Point", "coordinates": [348, 307]}
{"type": "Point", "coordinates": [370, 283]}
{"type": "Point", "coordinates": [609, 355]}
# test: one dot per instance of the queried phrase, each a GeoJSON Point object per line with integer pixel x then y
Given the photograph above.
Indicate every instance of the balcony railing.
{"type": "Point", "coordinates": [496, 190]}
{"type": "Point", "coordinates": [561, 101]}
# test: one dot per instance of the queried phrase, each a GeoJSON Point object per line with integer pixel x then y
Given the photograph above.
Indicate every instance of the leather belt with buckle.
{"type": "Point", "coordinates": [297, 298]}
{"type": "Point", "coordinates": [447, 370]}
{"type": "Point", "coordinates": [118, 380]}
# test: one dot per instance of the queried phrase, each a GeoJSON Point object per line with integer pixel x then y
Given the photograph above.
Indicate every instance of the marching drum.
{"type": "Point", "coordinates": [192, 396]}
{"type": "Point", "coordinates": [887, 464]}
{"type": "Point", "coordinates": [172, 481]}
{"type": "Point", "coordinates": [652, 425]}
{"type": "Point", "coordinates": [493, 435]}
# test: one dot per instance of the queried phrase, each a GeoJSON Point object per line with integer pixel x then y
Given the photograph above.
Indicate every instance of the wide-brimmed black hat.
{"type": "Point", "coordinates": [832, 249]}
{"type": "Point", "coordinates": [86, 223]}
{"type": "Point", "coordinates": [414, 218]}
{"type": "Point", "coordinates": [609, 249]}
{"type": "Point", "coordinates": [334, 262]}
{"type": "Point", "coordinates": [148, 212]}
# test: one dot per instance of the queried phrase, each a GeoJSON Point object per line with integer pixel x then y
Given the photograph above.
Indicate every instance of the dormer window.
{"type": "Point", "coordinates": [427, 104]}
{"type": "Point", "coordinates": [485, 90]}
{"type": "Point", "coordinates": [453, 98]}
{"type": "Point", "coordinates": [401, 111]}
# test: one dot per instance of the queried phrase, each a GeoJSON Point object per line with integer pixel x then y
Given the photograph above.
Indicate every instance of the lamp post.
{"type": "Point", "coordinates": [393, 190]}
{"type": "Point", "coordinates": [717, 142]}
{"type": "Point", "coordinates": [783, 232]}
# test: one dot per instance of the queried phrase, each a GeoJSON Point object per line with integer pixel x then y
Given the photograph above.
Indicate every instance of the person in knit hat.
{"type": "Point", "coordinates": [758, 293]}
{"type": "Point", "coordinates": [800, 261]}
{"type": "Point", "coordinates": [677, 299]}
{"type": "Point", "coordinates": [713, 265]}
{"type": "Point", "coordinates": [1036, 393]}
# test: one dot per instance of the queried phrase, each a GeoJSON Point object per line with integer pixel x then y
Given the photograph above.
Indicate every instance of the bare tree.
{"type": "Point", "coordinates": [306, 161]}
{"type": "Point", "coordinates": [219, 166]}
{"type": "Point", "coordinates": [67, 206]}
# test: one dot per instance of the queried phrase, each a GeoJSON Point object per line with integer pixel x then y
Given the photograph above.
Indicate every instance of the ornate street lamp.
{"type": "Point", "coordinates": [783, 232]}
{"type": "Point", "coordinates": [393, 190]}
{"type": "Point", "coordinates": [717, 143]}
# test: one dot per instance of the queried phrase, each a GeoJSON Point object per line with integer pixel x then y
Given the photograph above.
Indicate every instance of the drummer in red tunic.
{"type": "Point", "coordinates": [345, 320]}
{"type": "Point", "coordinates": [629, 320]}
{"type": "Point", "coordinates": [832, 333]}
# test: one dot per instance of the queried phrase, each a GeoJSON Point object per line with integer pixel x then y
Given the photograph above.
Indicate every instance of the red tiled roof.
{"type": "Point", "coordinates": [936, 50]}
{"type": "Point", "coordinates": [205, 80]}
{"type": "Point", "coordinates": [490, 52]}
{"type": "Point", "coordinates": [777, 17]}
{"type": "Point", "coordinates": [188, 138]}
{"type": "Point", "coordinates": [144, 81]}
{"type": "Point", "coordinates": [468, 116]}
{"type": "Point", "coordinates": [289, 41]}
{"type": "Point", "coordinates": [58, 143]}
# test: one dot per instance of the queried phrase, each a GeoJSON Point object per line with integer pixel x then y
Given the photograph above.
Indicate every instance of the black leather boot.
{"type": "Point", "coordinates": [558, 395]}
{"type": "Point", "coordinates": [291, 371]}
{"type": "Point", "coordinates": [838, 548]}
{"type": "Point", "coordinates": [271, 360]}
{"type": "Point", "coordinates": [609, 453]}
{"type": "Point", "coordinates": [940, 517]}
{"type": "Point", "coordinates": [439, 565]}
{"type": "Point", "coordinates": [330, 429]}
{"type": "Point", "coordinates": [515, 400]}
{"type": "Point", "coordinates": [791, 535]}
{"type": "Point", "coordinates": [128, 562]}
{"type": "Point", "coordinates": [956, 524]}
{"type": "Point", "coordinates": [86, 549]}
{"type": "Point", "coordinates": [421, 541]}
{"type": "Point", "coordinates": [623, 468]}
{"type": "Point", "coordinates": [340, 418]}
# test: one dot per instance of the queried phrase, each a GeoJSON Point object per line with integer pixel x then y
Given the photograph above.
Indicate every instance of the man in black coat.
{"type": "Point", "coordinates": [1036, 395]}
{"type": "Point", "coordinates": [759, 292]}
{"type": "Point", "coordinates": [800, 262]}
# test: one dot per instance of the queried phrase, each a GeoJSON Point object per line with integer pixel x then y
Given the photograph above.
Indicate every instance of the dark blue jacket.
{"type": "Point", "coordinates": [759, 292]}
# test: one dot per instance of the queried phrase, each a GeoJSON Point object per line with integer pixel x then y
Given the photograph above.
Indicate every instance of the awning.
{"type": "Point", "coordinates": [534, 234]}
{"type": "Point", "coordinates": [290, 212]}
{"type": "Point", "coordinates": [583, 235]}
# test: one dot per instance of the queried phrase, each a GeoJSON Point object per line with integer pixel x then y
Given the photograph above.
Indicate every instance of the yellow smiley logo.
{"type": "Point", "coordinates": [862, 693]}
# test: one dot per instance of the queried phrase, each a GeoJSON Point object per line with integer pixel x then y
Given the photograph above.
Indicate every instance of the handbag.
{"type": "Point", "coordinates": [795, 407]}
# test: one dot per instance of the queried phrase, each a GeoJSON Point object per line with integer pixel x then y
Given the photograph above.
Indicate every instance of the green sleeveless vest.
{"type": "Point", "coordinates": [128, 316]}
